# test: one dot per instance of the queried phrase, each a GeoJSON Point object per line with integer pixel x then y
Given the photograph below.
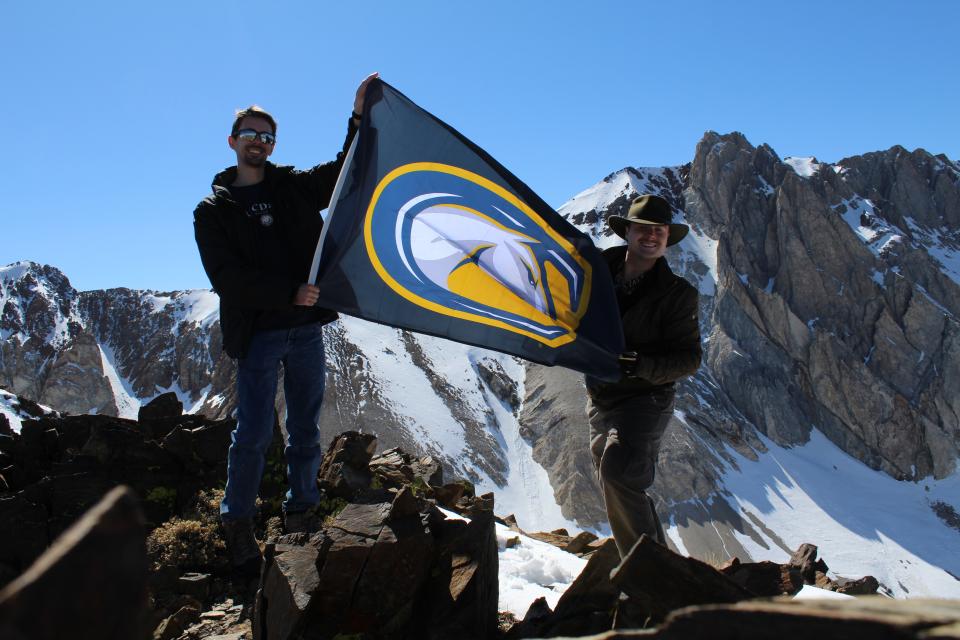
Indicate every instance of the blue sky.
{"type": "Point", "coordinates": [116, 113]}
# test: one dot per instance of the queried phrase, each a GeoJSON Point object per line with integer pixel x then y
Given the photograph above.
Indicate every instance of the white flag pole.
{"type": "Point", "coordinates": [333, 205]}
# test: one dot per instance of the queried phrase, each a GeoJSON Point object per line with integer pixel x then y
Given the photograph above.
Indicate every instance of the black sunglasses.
{"type": "Point", "coordinates": [249, 135]}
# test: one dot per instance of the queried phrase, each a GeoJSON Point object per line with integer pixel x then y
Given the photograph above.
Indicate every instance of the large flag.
{"type": "Point", "coordinates": [427, 232]}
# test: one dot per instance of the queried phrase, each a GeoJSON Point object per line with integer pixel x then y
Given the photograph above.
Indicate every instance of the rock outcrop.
{"type": "Point", "coordinates": [387, 561]}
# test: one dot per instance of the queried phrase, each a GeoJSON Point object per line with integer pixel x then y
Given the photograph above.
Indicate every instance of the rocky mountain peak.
{"type": "Point", "coordinates": [36, 301]}
{"type": "Point", "coordinates": [910, 188]}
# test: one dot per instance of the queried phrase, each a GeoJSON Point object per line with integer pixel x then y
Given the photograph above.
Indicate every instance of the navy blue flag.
{"type": "Point", "coordinates": [427, 232]}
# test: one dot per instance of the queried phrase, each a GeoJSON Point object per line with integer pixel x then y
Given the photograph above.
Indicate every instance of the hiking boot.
{"type": "Point", "coordinates": [301, 521]}
{"type": "Point", "coordinates": [242, 545]}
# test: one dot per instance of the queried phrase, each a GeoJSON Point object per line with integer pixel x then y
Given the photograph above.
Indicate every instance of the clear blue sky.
{"type": "Point", "coordinates": [115, 114]}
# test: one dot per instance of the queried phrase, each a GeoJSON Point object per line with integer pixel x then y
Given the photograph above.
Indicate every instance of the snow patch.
{"type": "Point", "coordinates": [804, 167]}
{"type": "Point", "coordinates": [128, 405]}
{"type": "Point", "coordinates": [532, 569]}
{"type": "Point", "coordinates": [15, 415]}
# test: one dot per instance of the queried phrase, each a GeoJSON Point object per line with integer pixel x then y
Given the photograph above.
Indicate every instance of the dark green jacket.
{"type": "Point", "coordinates": [659, 323]}
{"type": "Point", "coordinates": [234, 260]}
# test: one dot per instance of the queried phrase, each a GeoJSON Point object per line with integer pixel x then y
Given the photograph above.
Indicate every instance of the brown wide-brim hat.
{"type": "Point", "coordinates": [649, 209]}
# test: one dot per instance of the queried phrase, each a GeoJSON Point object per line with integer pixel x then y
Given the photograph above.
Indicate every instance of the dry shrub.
{"type": "Point", "coordinates": [186, 545]}
{"type": "Point", "coordinates": [205, 507]}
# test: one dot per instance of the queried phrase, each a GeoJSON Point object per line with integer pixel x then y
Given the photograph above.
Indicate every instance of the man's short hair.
{"type": "Point", "coordinates": [253, 111]}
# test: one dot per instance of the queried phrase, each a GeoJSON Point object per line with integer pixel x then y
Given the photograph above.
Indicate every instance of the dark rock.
{"type": "Point", "coordinates": [460, 599]}
{"type": "Point", "coordinates": [289, 581]}
{"type": "Point", "coordinates": [405, 504]}
{"type": "Point", "coordinates": [69, 496]}
{"type": "Point", "coordinates": [392, 569]}
{"type": "Point", "coordinates": [345, 467]}
{"type": "Point", "coordinates": [764, 578]}
{"type": "Point", "coordinates": [23, 530]}
{"type": "Point", "coordinates": [204, 445]}
{"type": "Point", "coordinates": [658, 581]}
{"type": "Point", "coordinates": [166, 405]}
{"type": "Point", "coordinates": [195, 585]}
{"type": "Point", "coordinates": [101, 558]}
{"type": "Point", "coordinates": [472, 506]}
{"type": "Point", "coordinates": [5, 426]}
{"type": "Point", "coordinates": [804, 560]}
{"type": "Point", "coordinates": [537, 612]}
{"type": "Point", "coordinates": [499, 382]}
{"type": "Point", "coordinates": [449, 494]}
{"type": "Point", "coordinates": [867, 585]}
{"type": "Point", "coordinates": [175, 625]}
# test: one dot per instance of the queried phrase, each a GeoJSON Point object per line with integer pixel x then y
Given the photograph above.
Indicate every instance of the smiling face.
{"type": "Point", "coordinates": [252, 153]}
{"type": "Point", "coordinates": [647, 242]}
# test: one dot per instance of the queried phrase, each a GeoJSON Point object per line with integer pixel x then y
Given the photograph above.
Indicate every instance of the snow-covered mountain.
{"type": "Point", "coordinates": [826, 410]}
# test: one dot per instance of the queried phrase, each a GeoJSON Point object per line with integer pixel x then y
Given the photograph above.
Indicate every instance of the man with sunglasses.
{"type": "Point", "coordinates": [256, 233]}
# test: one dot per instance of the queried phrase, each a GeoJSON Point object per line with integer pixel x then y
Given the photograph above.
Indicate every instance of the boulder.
{"type": "Point", "coordinates": [656, 581]}
{"type": "Point", "coordinates": [388, 565]}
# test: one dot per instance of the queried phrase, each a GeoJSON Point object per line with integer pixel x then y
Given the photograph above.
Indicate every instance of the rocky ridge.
{"type": "Point", "coordinates": [386, 562]}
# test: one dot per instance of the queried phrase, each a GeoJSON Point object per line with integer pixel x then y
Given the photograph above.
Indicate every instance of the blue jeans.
{"type": "Point", "coordinates": [301, 351]}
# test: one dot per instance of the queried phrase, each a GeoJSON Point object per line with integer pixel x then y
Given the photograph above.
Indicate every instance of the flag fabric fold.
{"type": "Point", "coordinates": [427, 232]}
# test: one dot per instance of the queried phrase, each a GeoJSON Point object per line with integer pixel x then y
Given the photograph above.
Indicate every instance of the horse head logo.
{"type": "Point", "coordinates": [454, 242]}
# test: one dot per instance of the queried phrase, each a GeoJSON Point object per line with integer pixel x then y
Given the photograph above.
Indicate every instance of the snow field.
{"type": "Point", "coordinates": [863, 521]}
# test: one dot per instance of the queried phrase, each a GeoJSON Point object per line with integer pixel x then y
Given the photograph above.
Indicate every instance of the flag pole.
{"type": "Point", "coordinates": [315, 266]}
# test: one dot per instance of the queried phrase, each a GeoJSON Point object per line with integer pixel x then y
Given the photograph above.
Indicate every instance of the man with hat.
{"type": "Point", "coordinates": [627, 418]}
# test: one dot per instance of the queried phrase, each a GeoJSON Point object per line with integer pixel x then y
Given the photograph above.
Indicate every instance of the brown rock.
{"type": "Point", "coordinates": [175, 624]}
{"type": "Point", "coordinates": [580, 542]}
{"type": "Point", "coordinates": [867, 585]}
{"type": "Point", "coordinates": [560, 541]}
{"type": "Point", "coordinates": [449, 494]}
{"type": "Point", "coordinates": [764, 578]}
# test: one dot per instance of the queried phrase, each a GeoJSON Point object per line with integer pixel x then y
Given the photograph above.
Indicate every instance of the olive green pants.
{"type": "Point", "coordinates": [625, 442]}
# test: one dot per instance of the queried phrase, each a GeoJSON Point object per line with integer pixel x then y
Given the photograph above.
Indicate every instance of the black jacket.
{"type": "Point", "coordinates": [234, 260]}
{"type": "Point", "coordinates": [659, 323]}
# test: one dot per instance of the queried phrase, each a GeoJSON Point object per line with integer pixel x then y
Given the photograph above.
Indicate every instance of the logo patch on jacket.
{"type": "Point", "coordinates": [468, 248]}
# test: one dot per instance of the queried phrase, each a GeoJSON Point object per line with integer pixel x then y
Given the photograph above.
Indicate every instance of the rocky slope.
{"type": "Point", "coordinates": [829, 305]}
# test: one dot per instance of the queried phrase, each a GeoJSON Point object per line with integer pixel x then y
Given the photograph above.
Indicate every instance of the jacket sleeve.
{"type": "Point", "coordinates": [237, 282]}
{"type": "Point", "coordinates": [318, 182]}
{"type": "Point", "coordinates": [681, 339]}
